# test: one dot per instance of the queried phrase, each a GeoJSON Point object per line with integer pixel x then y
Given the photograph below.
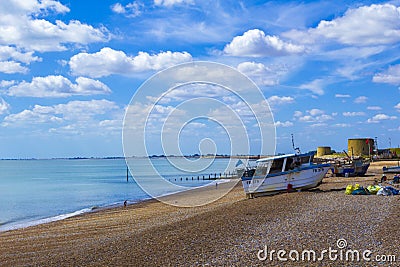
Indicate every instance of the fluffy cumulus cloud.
{"type": "Point", "coordinates": [4, 106]}
{"type": "Point", "coordinates": [22, 27]}
{"type": "Point", "coordinates": [377, 24]}
{"type": "Point", "coordinates": [72, 115]}
{"type": "Point", "coordinates": [366, 25]}
{"type": "Point", "coordinates": [255, 43]}
{"type": "Point", "coordinates": [280, 100]}
{"type": "Point", "coordinates": [314, 116]}
{"type": "Point", "coordinates": [13, 60]}
{"type": "Point", "coordinates": [391, 76]}
{"type": "Point", "coordinates": [9, 52]}
{"type": "Point", "coordinates": [58, 86]}
{"type": "Point", "coordinates": [108, 61]}
{"type": "Point", "coordinates": [397, 107]}
{"type": "Point", "coordinates": [129, 10]}
{"type": "Point", "coordinates": [6, 84]}
{"type": "Point", "coordinates": [170, 3]}
{"type": "Point", "coordinates": [10, 67]}
{"type": "Point", "coordinates": [261, 74]}
{"type": "Point", "coordinates": [283, 124]}
{"type": "Point", "coordinates": [380, 117]}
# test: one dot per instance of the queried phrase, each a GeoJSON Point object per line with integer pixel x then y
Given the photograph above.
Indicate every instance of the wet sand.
{"type": "Point", "coordinates": [227, 232]}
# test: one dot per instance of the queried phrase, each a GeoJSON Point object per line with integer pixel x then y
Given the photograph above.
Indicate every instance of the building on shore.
{"type": "Point", "coordinates": [361, 147]}
{"type": "Point", "coordinates": [323, 150]}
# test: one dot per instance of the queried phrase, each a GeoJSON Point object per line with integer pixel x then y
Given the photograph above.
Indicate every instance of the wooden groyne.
{"type": "Point", "coordinates": [213, 176]}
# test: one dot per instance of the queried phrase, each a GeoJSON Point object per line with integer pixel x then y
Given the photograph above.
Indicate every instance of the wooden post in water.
{"type": "Point", "coordinates": [127, 174]}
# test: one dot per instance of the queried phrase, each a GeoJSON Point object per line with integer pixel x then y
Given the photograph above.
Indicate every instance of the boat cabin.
{"type": "Point", "coordinates": [282, 163]}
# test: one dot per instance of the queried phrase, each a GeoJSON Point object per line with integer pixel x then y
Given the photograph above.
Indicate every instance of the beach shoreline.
{"type": "Point", "coordinates": [93, 209]}
{"type": "Point", "coordinates": [229, 231]}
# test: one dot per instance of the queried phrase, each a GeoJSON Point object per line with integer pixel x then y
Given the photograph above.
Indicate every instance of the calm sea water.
{"type": "Point", "coordinates": [38, 191]}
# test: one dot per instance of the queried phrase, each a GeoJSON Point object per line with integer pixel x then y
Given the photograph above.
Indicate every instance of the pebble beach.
{"type": "Point", "coordinates": [232, 231]}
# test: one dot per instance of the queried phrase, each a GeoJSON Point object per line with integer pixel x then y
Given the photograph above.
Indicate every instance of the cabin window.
{"type": "Point", "coordinates": [289, 164]}
{"type": "Point", "coordinates": [277, 165]}
{"type": "Point", "coordinates": [305, 160]}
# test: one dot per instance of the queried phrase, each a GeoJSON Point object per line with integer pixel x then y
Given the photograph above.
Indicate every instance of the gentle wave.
{"type": "Point", "coordinates": [45, 220]}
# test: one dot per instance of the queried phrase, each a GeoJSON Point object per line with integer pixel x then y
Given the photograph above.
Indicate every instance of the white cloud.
{"type": "Point", "coordinates": [72, 113]}
{"type": "Point", "coordinates": [261, 74]}
{"type": "Point", "coordinates": [108, 61]}
{"type": "Point", "coordinates": [118, 8]}
{"type": "Point", "coordinates": [342, 96]}
{"type": "Point", "coordinates": [363, 26]}
{"type": "Point", "coordinates": [10, 67]}
{"type": "Point", "coordinates": [254, 43]}
{"type": "Point", "coordinates": [353, 114]}
{"type": "Point", "coordinates": [4, 83]}
{"type": "Point", "coordinates": [374, 108]}
{"type": "Point", "coordinates": [4, 106]}
{"type": "Point", "coordinates": [283, 124]}
{"type": "Point", "coordinates": [297, 114]}
{"type": "Point", "coordinates": [397, 107]}
{"type": "Point", "coordinates": [187, 92]}
{"type": "Point", "coordinates": [391, 76]}
{"type": "Point", "coordinates": [365, 31]}
{"type": "Point", "coordinates": [361, 99]}
{"type": "Point", "coordinates": [58, 86]}
{"type": "Point", "coordinates": [380, 117]}
{"type": "Point", "coordinates": [130, 10]}
{"type": "Point", "coordinates": [315, 111]}
{"type": "Point", "coordinates": [316, 86]}
{"type": "Point", "coordinates": [342, 125]}
{"type": "Point", "coordinates": [20, 26]}
{"type": "Point", "coordinates": [314, 115]}
{"type": "Point", "coordinates": [8, 52]}
{"type": "Point", "coordinates": [280, 100]}
{"type": "Point", "coordinates": [170, 3]}
{"type": "Point", "coordinates": [318, 125]}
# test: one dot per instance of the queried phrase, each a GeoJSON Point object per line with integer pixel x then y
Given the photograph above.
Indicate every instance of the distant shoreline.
{"type": "Point", "coordinates": [142, 157]}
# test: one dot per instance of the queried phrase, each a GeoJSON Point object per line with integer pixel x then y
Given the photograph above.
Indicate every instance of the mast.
{"type": "Point", "coordinates": [296, 149]}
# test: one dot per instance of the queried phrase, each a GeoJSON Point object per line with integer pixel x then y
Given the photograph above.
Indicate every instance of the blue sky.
{"type": "Point", "coordinates": [68, 69]}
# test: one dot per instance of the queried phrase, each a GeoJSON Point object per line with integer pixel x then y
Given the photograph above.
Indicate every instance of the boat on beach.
{"type": "Point", "coordinates": [282, 173]}
{"type": "Point", "coordinates": [395, 169]}
{"type": "Point", "coordinates": [350, 167]}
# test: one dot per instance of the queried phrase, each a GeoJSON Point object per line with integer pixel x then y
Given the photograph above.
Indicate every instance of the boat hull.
{"type": "Point", "coordinates": [391, 169]}
{"type": "Point", "coordinates": [304, 178]}
{"type": "Point", "coordinates": [351, 170]}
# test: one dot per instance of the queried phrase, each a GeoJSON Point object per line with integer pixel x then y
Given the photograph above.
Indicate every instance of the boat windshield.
{"type": "Point", "coordinates": [263, 168]}
{"type": "Point", "coordinates": [270, 166]}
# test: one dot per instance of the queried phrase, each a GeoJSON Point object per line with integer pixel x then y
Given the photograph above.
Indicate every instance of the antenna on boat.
{"type": "Point", "coordinates": [296, 149]}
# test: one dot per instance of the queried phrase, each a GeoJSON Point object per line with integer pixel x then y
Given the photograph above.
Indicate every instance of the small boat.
{"type": "Point", "coordinates": [281, 173]}
{"type": "Point", "coordinates": [350, 167]}
{"type": "Point", "coordinates": [395, 169]}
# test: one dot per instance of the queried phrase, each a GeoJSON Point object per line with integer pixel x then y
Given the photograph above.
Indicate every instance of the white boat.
{"type": "Point", "coordinates": [281, 173]}
{"type": "Point", "coordinates": [395, 169]}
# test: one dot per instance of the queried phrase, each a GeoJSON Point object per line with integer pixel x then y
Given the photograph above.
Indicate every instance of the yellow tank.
{"type": "Point", "coordinates": [361, 147]}
{"type": "Point", "coordinates": [323, 150]}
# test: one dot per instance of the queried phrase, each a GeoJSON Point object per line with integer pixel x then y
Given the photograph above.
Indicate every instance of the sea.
{"type": "Point", "coordinates": [38, 191]}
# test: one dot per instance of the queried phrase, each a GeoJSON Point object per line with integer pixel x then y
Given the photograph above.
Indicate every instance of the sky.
{"type": "Point", "coordinates": [330, 70]}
